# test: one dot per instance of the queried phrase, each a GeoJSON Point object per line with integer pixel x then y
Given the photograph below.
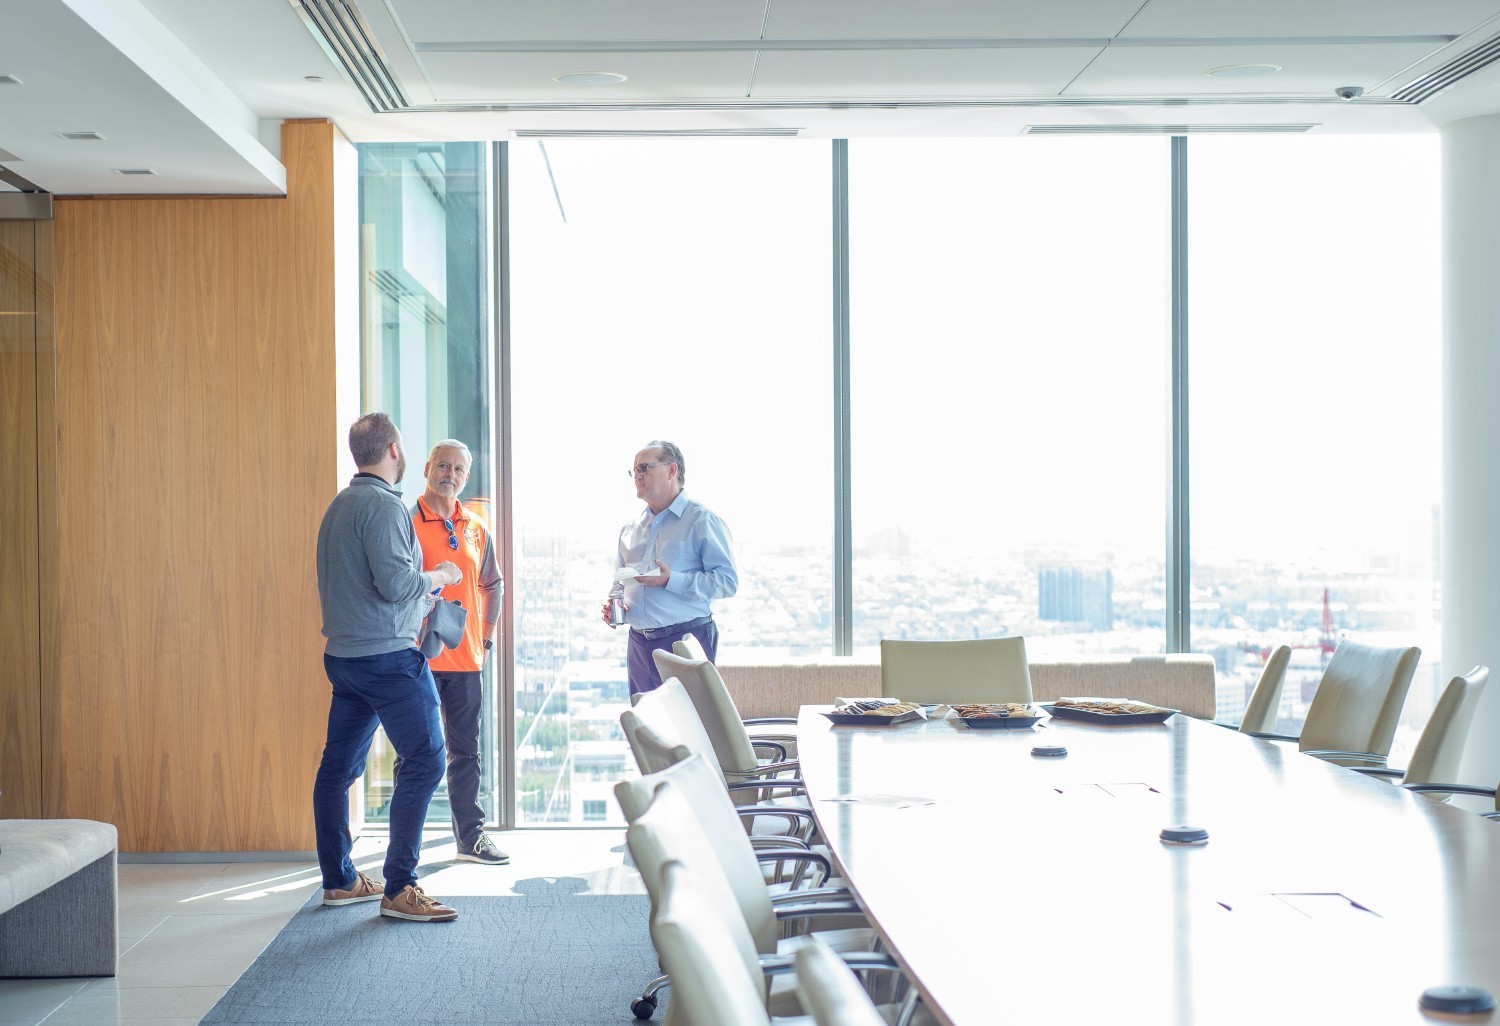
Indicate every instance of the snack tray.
{"type": "Point", "coordinates": [1064, 712]}
{"type": "Point", "coordinates": [866, 720]}
{"type": "Point", "coordinates": [998, 722]}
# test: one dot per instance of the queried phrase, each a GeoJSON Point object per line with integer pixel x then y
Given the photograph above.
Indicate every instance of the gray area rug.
{"type": "Point", "coordinates": [545, 955]}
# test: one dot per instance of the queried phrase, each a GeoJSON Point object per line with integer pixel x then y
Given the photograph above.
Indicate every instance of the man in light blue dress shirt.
{"type": "Point", "coordinates": [682, 550]}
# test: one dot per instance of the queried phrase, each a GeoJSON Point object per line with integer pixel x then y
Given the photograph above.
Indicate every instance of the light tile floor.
{"type": "Point", "coordinates": [188, 930]}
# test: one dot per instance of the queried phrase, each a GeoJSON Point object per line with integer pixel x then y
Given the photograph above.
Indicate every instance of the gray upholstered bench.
{"type": "Point", "coordinates": [59, 909]}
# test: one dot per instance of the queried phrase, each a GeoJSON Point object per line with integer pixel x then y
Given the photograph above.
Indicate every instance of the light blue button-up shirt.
{"type": "Point", "coordinates": [695, 545]}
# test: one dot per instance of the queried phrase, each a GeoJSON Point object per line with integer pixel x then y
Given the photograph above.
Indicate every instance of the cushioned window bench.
{"type": "Point", "coordinates": [59, 908]}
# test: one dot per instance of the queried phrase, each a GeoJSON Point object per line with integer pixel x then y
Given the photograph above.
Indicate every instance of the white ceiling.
{"type": "Point", "coordinates": [195, 89]}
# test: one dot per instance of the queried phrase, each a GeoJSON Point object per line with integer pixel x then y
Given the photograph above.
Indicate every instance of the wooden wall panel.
{"type": "Point", "coordinates": [20, 632]}
{"type": "Point", "coordinates": [195, 406]}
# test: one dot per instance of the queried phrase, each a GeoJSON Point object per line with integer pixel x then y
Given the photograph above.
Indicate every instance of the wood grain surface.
{"type": "Point", "coordinates": [196, 452]}
{"type": "Point", "coordinates": [20, 586]}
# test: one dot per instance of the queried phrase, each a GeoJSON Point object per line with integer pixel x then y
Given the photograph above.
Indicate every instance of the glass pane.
{"type": "Point", "coordinates": [1010, 338]}
{"type": "Point", "coordinates": [424, 226]}
{"type": "Point", "coordinates": [674, 289]}
{"type": "Point", "coordinates": [1316, 452]}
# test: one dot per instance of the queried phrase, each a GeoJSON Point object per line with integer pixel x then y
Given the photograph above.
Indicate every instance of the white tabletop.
{"type": "Point", "coordinates": [1034, 890]}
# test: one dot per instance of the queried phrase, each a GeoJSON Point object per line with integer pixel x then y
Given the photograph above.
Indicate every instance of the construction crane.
{"type": "Point", "coordinates": [1326, 643]}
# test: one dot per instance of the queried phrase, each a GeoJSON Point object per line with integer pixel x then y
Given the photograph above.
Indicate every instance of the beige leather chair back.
{"type": "Point", "coordinates": [984, 670]}
{"type": "Point", "coordinates": [1265, 700]}
{"type": "Point", "coordinates": [689, 647]}
{"type": "Point", "coordinates": [669, 712]}
{"type": "Point", "coordinates": [830, 992]}
{"type": "Point", "coordinates": [1358, 701]}
{"type": "Point", "coordinates": [701, 680]}
{"type": "Point", "coordinates": [714, 820]}
{"type": "Point", "coordinates": [695, 925]}
{"type": "Point", "coordinates": [1441, 746]}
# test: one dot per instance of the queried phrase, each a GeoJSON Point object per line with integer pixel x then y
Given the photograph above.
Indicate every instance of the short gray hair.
{"type": "Point", "coordinates": [672, 454]}
{"type": "Point", "coordinates": [370, 436]}
{"type": "Point", "coordinates": [452, 443]}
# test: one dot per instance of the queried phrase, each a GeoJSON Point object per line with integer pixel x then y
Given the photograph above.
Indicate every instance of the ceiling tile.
{"type": "Point", "coordinates": [946, 19]}
{"type": "Point", "coordinates": [1213, 19]}
{"type": "Point", "coordinates": [865, 74]}
{"type": "Point", "coordinates": [428, 21]}
{"type": "Point", "coordinates": [1183, 70]}
{"type": "Point", "coordinates": [497, 77]}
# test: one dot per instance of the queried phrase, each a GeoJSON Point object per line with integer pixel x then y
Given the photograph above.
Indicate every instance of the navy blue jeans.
{"type": "Point", "coordinates": [395, 690]}
{"type": "Point", "coordinates": [459, 693]}
{"type": "Point", "coordinates": [641, 668]}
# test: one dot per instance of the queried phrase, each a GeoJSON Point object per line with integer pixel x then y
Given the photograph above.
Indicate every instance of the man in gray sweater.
{"type": "Point", "coordinates": [374, 596]}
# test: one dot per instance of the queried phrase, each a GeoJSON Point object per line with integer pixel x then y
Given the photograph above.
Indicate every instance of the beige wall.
{"type": "Point", "coordinates": [195, 404]}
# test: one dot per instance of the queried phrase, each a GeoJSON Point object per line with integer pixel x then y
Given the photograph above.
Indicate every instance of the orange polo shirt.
{"type": "Point", "coordinates": [480, 589]}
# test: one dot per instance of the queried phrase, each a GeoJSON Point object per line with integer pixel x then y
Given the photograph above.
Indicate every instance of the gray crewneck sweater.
{"type": "Point", "coordinates": [370, 577]}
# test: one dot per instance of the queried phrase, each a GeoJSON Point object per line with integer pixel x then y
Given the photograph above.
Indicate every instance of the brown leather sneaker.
{"type": "Point", "coordinates": [364, 889]}
{"type": "Point", "coordinates": [415, 905]}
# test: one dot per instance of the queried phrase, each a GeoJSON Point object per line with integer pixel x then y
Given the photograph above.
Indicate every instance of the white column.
{"type": "Point", "coordinates": [1471, 424]}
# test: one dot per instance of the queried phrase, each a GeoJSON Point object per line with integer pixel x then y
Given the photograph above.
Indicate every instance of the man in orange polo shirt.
{"type": "Point", "coordinates": [449, 533]}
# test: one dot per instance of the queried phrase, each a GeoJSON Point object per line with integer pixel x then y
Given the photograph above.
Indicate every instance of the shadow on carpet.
{"type": "Point", "coordinates": [546, 955]}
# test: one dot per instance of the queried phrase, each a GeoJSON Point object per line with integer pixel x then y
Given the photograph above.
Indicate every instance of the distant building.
{"type": "Point", "coordinates": [892, 543]}
{"type": "Point", "coordinates": [1069, 594]}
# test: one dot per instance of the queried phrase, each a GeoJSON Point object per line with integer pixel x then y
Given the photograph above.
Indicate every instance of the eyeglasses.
{"type": "Point", "coordinates": [639, 470]}
{"type": "Point", "coordinates": [452, 537]}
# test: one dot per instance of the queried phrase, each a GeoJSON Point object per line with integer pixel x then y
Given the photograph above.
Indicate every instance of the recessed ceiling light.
{"type": "Point", "coordinates": [1244, 70]}
{"type": "Point", "coordinates": [590, 78]}
{"type": "Point", "coordinates": [133, 170]}
{"type": "Point", "coordinates": [81, 136]}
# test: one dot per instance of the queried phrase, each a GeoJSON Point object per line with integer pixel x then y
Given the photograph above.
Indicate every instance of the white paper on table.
{"type": "Point", "coordinates": [883, 801]}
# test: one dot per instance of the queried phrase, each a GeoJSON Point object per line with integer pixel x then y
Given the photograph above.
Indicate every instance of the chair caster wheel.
{"type": "Point", "coordinates": [643, 1007]}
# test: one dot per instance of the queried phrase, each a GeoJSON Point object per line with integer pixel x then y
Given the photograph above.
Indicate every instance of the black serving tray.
{"type": "Point", "coordinates": [866, 720]}
{"type": "Point", "coordinates": [1064, 712]}
{"type": "Point", "coordinates": [998, 722]}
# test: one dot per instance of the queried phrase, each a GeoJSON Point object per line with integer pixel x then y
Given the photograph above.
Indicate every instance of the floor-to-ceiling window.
{"type": "Point", "coordinates": [661, 289]}
{"type": "Point", "coordinates": [424, 231]}
{"type": "Point", "coordinates": [1316, 334]}
{"type": "Point", "coordinates": [1008, 409]}
{"type": "Point", "coordinates": [1008, 338]}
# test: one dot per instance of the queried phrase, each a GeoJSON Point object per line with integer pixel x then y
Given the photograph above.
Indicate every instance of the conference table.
{"type": "Point", "coordinates": [1020, 889]}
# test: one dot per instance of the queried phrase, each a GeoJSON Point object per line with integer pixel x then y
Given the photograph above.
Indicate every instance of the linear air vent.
{"type": "Point", "coordinates": [660, 133]}
{"type": "Point", "coordinates": [1442, 77]}
{"type": "Point", "coordinates": [80, 136]}
{"type": "Point", "coordinates": [349, 43]}
{"type": "Point", "coordinates": [133, 170]}
{"type": "Point", "coordinates": [414, 299]}
{"type": "Point", "coordinates": [1165, 129]}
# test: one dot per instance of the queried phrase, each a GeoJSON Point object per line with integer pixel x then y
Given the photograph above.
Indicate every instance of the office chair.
{"type": "Point", "coordinates": [1448, 790]}
{"type": "Point", "coordinates": [1354, 712]}
{"type": "Point", "coordinates": [703, 948]}
{"type": "Point", "coordinates": [830, 992]}
{"type": "Point", "coordinates": [689, 647]}
{"type": "Point", "coordinates": [984, 670]}
{"type": "Point", "coordinates": [1441, 747]}
{"type": "Point", "coordinates": [734, 746]}
{"type": "Point", "coordinates": [674, 724]}
{"type": "Point", "coordinates": [700, 824]}
{"type": "Point", "coordinates": [1265, 700]}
